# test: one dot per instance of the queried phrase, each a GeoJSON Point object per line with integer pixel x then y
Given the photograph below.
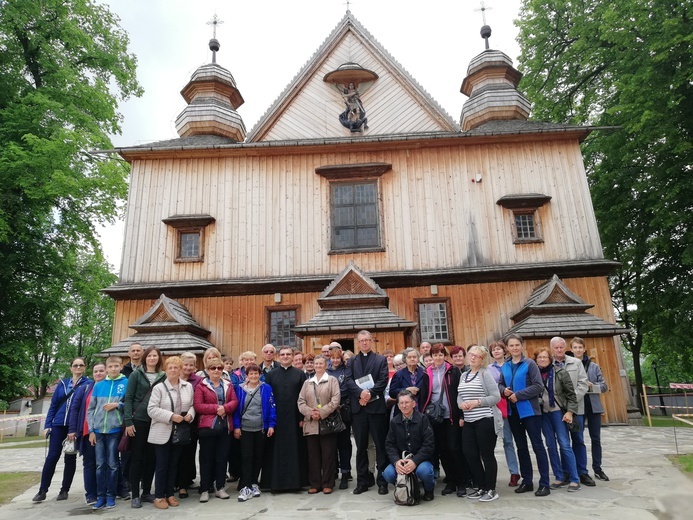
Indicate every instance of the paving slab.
{"type": "Point", "coordinates": [644, 485]}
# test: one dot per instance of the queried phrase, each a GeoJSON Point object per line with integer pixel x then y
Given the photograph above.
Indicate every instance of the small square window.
{"type": "Point", "coordinates": [526, 227]}
{"type": "Point", "coordinates": [281, 323]}
{"type": "Point", "coordinates": [190, 244]}
{"type": "Point", "coordinates": [189, 233]}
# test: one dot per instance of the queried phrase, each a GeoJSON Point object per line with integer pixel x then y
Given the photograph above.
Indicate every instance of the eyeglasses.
{"type": "Point", "coordinates": [79, 366]}
{"type": "Point", "coordinates": [215, 368]}
{"type": "Point", "coordinates": [286, 354]}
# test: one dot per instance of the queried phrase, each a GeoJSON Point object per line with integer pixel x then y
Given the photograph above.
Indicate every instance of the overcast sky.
{"type": "Point", "coordinates": [265, 43]}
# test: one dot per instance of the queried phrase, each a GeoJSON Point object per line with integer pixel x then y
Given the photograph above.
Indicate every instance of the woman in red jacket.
{"type": "Point", "coordinates": [215, 402]}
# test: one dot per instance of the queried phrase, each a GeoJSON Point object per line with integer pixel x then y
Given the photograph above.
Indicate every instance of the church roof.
{"type": "Point", "coordinates": [554, 310]}
{"type": "Point", "coordinates": [167, 325]}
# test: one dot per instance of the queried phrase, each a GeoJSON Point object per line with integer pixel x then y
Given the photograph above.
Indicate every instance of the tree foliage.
{"type": "Point", "coordinates": [64, 66]}
{"type": "Point", "coordinates": [628, 63]}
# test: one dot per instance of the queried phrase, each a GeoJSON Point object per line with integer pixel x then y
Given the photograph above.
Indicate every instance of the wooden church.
{"type": "Point", "coordinates": [356, 202]}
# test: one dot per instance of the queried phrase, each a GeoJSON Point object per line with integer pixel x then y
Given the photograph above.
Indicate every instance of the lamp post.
{"type": "Point", "coordinates": [659, 390]}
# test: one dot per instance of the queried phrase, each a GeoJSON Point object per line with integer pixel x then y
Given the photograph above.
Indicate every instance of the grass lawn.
{"type": "Point", "coordinates": [684, 463]}
{"type": "Point", "coordinates": [35, 441]}
{"type": "Point", "coordinates": [659, 421]}
{"type": "Point", "coordinates": [14, 484]}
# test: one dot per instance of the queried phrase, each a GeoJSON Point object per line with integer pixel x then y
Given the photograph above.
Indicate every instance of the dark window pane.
{"type": "Point", "coordinates": [282, 325]}
{"type": "Point", "coordinates": [190, 245]}
{"type": "Point", "coordinates": [367, 237]}
{"type": "Point", "coordinates": [344, 216]}
{"type": "Point", "coordinates": [355, 216]}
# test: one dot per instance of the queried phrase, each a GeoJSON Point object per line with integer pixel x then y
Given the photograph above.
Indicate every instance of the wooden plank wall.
{"type": "Point", "coordinates": [480, 314]}
{"type": "Point", "coordinates": [273, 219]}
{"type": "Point", "coordinates": [390, 107]}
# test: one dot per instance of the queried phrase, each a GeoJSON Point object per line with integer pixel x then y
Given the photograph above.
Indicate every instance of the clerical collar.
{"type": "Point", "coordinates": [364, 354]}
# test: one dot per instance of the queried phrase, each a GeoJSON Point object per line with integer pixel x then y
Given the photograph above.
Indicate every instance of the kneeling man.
{"type": "Point", "coordinates": [410, 431]}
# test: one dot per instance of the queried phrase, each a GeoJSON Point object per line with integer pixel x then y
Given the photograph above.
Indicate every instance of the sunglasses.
{"type": "Point", "coordinates": [215, 368]}
{"type": "Point", "coordinates": [79, 366]}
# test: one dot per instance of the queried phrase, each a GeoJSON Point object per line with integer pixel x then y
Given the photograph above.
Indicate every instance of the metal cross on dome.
{"type": "Point", "coordinates": [214, 22]}
{"type": "Point", "coordinates": [485, 30]}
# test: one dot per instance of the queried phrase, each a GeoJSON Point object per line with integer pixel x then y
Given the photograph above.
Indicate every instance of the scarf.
{"type": "Point", "coordinates": [586, 361]}
{"type": "Point", "coordinates": [547, 376]}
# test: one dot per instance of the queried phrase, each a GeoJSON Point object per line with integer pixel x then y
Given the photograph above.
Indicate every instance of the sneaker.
{"type": "Point", "coordinates": [256, 491]}
{"type": "Point", "coordinates": [100, 504]}
{"type": "Point", "coordinates": [148, 498]}
{"type": "Point", "coordinates": [558, 484]}
{"type": "Point", "coordinates": [90, 501]}
{"type": "Point", "coordinates": [489, 496]}
{"type": "Point", "coordinates": [221, 493]}
{"type": "Point", "coordinates": [476, 494]}
{"type": "Point", "coordinates": [449, 489]}
{"type": "Point", "coordinates": [587, 480]}
{"type": "Point", "coordinates": [110, 502]}
{"type": "Point", "coordinates": [62, 495]}
{"type": "Point", "coordinates": [136, 504]}
{"type": "Point", "coordinates": [204, 496]}
{"type": "Point", "coordinates": [40, 496]}
{"type": "Point", "coordinates": [461, 491]}
{"type": "Point", "coordinates": [245, 494]}
{"type": "Point", "coordinates": [124, 495]}
{"type": "Point", "coordinates": [573, 486]}
{"type": "Point", "coordinates": [601, 475]}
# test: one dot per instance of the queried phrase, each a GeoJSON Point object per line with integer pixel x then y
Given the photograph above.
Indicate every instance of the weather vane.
{"type": "Point", "coordinates": [214, 43]}
{"type": "Point", "coordinates": [485, 30]}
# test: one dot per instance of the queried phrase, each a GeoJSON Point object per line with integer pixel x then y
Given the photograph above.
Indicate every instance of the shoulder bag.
{"type": "Point", "coordinates": [181, 433]}
{"type": "Point", "coordinates": [333, 423]}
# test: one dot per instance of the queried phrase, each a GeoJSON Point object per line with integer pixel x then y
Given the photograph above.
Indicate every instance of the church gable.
{"type": "Point", "coordinates": [388, 100]}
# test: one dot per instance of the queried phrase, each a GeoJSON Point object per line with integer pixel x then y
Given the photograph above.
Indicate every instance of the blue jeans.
{"type": "Point", "coordinates": [424, 471]}
{"type": "Point", "coordinates": [107, 464]}
{"type": "Point", "coordinates": [89, 462]}
{"type": "Point", "coordinates": [555, 429]}
{"type": "Point", "coordinates": [509, 448]}
{"type": "Point", "coordinates": [579, 449]}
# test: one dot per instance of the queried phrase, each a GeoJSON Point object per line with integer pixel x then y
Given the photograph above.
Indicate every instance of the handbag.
{"type": "Point", "coordinates": [69, 447]}
{"type": "Point", "coordinates": [345, 411]}
{"type": "Point", "coordinates": [435, 411]}
{"type": "Point", "coordinates": [181, 433]}
{"type": "Point", "coordinates": [124, 446]}
{"type": "Point", "coordinates": [333, 423]}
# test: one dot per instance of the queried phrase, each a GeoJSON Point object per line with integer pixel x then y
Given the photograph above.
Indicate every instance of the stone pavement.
{"type": "Point", "coordinates": [644, 485]}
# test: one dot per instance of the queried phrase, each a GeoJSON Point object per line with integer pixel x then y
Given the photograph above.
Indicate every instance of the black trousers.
{"type": "Point", "coordinates": [167, 461]}
{"type": "Point", "coordinates": [142, 459]}
{"type": "Point", "coordinates": [251, 447]}
{"type": "Point", "coordinates": [479, 442]}
{"type": "Point", "coordinates": [214, 457]}
{"type": "Point", "coordinates": [376, 424]}
{"type": "Point", "coordinates": [186, 468]}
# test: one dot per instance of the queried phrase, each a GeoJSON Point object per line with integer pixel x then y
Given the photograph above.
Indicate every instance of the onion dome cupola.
{"type": "Point", "coordinates": [212, 98]}
{"type": "Point", "coordinates": [491, 85]}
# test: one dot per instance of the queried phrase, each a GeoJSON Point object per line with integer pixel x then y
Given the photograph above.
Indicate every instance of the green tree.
{"type": "Point", "coordinates": [628, 63]}
{"type": "Point", "coordinates": [64, 66]}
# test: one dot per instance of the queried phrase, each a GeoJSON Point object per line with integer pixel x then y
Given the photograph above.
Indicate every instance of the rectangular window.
{"type": "Point", "coordinates": [526, 227]}
{"type": "Point", "coordinates": [355, 218]}
{"type": "Point", "coordinates": [190, 244]}
{"type": "Point", "coordinates": [434, 320]}
{"type": "Point", "coordinates": [281, 323]}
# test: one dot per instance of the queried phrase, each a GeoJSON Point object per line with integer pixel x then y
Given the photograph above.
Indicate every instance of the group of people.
{"type": "Point", "coordinates": [286, 424]}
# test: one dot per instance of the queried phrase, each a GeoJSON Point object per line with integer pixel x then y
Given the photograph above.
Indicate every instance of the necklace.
{"type": "Point", "coordinates": [466, 375]}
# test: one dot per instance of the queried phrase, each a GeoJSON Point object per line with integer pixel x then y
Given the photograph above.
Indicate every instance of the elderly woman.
{"type": "Point", "coordinates": [215, 402]}
{"type": "Point", "coordinates": [499, 353]}
{"type": "Point", "coordinates": [593, 405]}
{"type": "Point", "coordinates": [297, 360]}
{"type": "Point", "coordinates": [137, 424]}
{"type": "Point", "coordinates": [57, 429]}
{"type": "Point", "coordinates": [477, 396]}
{"type": "Point", "coordinates": [246, 358]}
{"type": "Point", "coordinates": [413, 378]}
{"type": "Point", "coordinates": [558, 395]}
{"type": "Point", "coordinates": [521, 384]}
{"type": "Point", "coordinates": [210, 353]}
{"type": "Point", "coordinates": [253, 421]}
{"type": "Point", "coordinates": [308, 366]}
{"type": "Point", "coordinates": [319, 397]}
{"type": "Point", "coordinates": [170, 405]}
{"type": "Point", "coordinates": [187, 470]}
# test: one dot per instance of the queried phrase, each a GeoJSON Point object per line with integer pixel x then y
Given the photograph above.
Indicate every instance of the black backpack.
{"type": "Point", "coordinates": [407, 487]}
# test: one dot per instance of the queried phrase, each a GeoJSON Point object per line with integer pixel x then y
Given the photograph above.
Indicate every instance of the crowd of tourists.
{"type": "Point", "coordinates": [286, 424]}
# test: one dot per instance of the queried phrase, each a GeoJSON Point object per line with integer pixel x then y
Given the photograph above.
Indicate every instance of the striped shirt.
{"type": "Point", "coordinates": [471, 389]}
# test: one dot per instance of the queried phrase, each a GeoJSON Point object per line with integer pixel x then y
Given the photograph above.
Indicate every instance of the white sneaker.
{"type": "Point", "coordinates": [221, 493]}
{"type": "Point", "coordinates": [489, 496]}
{"type": "Point", "coordinates": [204, 496]}
{"type": "Point", "coordinates": [245, 494]}
{"type": "Point", "coordinates": [256, 490]}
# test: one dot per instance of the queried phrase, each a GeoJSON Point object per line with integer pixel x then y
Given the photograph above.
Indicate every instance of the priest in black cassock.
{"type": "Point", "coordinates": [285, 465]}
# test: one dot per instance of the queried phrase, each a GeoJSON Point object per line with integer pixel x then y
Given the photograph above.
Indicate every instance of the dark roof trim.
{"type": "Point", "coordinates": [182, 221]}
{"type": "Point", "coordinates": [348, 171]}
{"type": "Point", "coordinates": [387, 279]}
{"type": "Point", "coordinates": [523, 200]}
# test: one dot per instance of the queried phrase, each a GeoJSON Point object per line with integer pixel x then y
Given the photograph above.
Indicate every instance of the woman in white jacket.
{"type": "Point", "coordinates": [171, 403]}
